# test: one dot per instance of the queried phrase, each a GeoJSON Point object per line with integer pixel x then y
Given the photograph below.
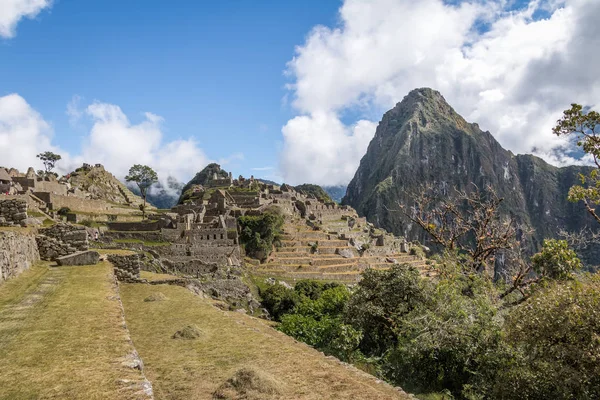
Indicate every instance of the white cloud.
{"type": "Point", "coordinates": [330, 150]}
{"type": "Point", "coordinates": [514, 79]}
{"type": "Point", "coordinates": [12, 11]}
{"type": "Point", "coordinates": [74, 110]}
{"type": "Point", "coordinates": [23, 133]}
{"type": "Point", "coordinates": [113, 140]}
{"type": "Point", "coordinates": [117, 143]}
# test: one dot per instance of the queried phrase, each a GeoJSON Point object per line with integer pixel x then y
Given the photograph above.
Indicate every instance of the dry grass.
{"type": "Point", "coordinates": [119, 252]}
{"type": "Point", "coordinates": [251, 384]}
{"type": "Point", "coordinates": [152, 276]}
{"type": "Point", "coordinates": [158, 296]}
{"type": "Point", "coordinates": [62, 337]}
{"type": "Point", "coordinates": [231, 342]}
{"type": "Point", "coordinates": [20, 229]}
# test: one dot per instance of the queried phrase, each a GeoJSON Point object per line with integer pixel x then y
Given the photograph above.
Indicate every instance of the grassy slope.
{"type": "Point", "coordinates": [62, 336]}
{"type": "Point", "coordinates": [193, 369]}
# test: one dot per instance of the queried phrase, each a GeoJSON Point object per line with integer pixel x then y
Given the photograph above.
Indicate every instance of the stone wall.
{"type": "Point", "coordinates": [18, 252]}
{"type": "Point", "coordinates": [13, 212]}
{"type": "Point", "coordinates": [134, 226]}
{"type": "Point", "coordinates": [222, 255]}
{"type": "Point", "coordinates": [75, 203]}
{"type": "Point", "coordinates": [61, 240]}
{"type": "Point", "coordinates": [150, 236]}
{"type": "Point", "coordinates": [127, 268]}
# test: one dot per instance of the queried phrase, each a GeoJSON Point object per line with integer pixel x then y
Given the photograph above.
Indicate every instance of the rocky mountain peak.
{"type": "Point", "coordinates": [425, 109]}
{"type": "Point", "coordinates": [422, 140]}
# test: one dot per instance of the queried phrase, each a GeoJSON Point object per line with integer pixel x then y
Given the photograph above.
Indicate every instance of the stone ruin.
{"type": "Point", "coordinates": [13, 212]}
{"type": "Point", "coordinates": [127, 268]}
{"type": "Point", "coordinates": [61, 240]}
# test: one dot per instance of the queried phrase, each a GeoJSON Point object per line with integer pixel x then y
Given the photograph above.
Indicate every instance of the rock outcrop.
{"type": "Point", "coordinates": [423, 140]}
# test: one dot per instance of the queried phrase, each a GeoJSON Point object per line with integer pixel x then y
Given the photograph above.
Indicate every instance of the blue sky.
{"type": "Point", "coordinates": [212, 70]}
{"type": "Point", "coordinates": [178, 84]}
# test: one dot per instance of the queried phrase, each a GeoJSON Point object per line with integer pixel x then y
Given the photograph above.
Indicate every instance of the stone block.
{"type": "Point", "coordinates": [80, 258]}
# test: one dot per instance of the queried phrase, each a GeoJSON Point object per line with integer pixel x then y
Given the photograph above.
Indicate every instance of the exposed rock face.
{"type": "Point", "coordinates": [423, 140]}
{"type": "Point", "coordinates": [18, 252]}
{"type": "Point", "coordinates": [80, 258]}
{"type": "Point", "coordinates": [100, 184]}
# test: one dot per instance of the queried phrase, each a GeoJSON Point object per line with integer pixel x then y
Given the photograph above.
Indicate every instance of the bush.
{"type": "Point", "coordinates": [279, 300]}
{"type": "Point", "coordinates": [381, 298]}
{"type": "Point", "coordinates": [554, 343]}
{"type": "Point", "coordinates": [417, 251]}
{"type": "Point", "coordinates": [444, 340]}
{"type": "Point", "coordinates": [259, 232]}
{"type": "Point", "coordinates": [317, 319]}
{"type": "Point", "coordinates": [63, 211]}
{"type": "Point", "coordinates": [556, 260]}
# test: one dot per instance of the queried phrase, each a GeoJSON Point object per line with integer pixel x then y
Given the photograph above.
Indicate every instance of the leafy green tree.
{"type": "Point", "coordinates": [318, 320]}
{"type": "Point", "coordinates": [279, 300]}
{"type": "Point", "coordinates": [49, 159]}
{"type": "Point", "coordinates": [585, 127]}
{"type": "Point", "coordinates": [554, 343]}
{"type": "Point", "coordinates": [380, 301]}
{"type": "Point", "coordinates": [144, 177]}
{"type": "Point", "coordinates": [258, 233]}
{"type": "Point", "coordinates": [556, 260]}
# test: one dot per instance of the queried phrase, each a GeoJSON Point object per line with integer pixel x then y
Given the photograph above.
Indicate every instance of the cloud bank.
{"type": "Point", "coordinates": [113, 140]}
{"type": "Point", "coordinates": [512, 71]}
{"type": "Point", "coordinates": [12, 11]}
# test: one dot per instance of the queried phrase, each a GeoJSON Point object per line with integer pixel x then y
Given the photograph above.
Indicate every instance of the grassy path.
{"type": "Point", "coordinates": [229, 342]}
{"type": "Point", "coordinates": [62, 336]}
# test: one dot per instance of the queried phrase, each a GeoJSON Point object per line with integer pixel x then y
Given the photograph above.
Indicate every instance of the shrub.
{"type": "Point", "coordinates": [380, 300]}
{"type": "Point", "coordinates": [63, 211]}
{"type": "Point", "coordinates": [259, 232]}
{"type": "Point", "coordinates": [554, 344]}
{"type": "Point", "coordinates": [556, 260]}
{"type": "Point", "coordinates": [417, 251]}
{"type": "Point", "coordinates": [279, 300]}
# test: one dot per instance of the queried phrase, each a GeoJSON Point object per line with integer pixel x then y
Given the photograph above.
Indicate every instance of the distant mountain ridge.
{"type": "Point", "coordinates": [423, 140]}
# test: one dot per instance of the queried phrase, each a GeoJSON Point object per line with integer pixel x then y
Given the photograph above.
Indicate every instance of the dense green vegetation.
{"type": "Point", "coordinates": [461, 333]}
{"type": "Point", "coordinates": [316, 191]}
{"type": "Point", "coordinates": [258, 233]}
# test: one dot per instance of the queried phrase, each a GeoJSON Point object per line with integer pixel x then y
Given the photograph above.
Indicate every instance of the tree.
{"type": "Point", "coordinates": [258, 233]}
{"type": "Point", "coordinates": [49, 159]}
{"type": "Point", "coordinates": [470, 223]}
{"type": "Point", "coordinates": [555, 261]}
{"type": "Point", "coordinates": [585, 127]}
{"type": "Point", "coordinates": [554, 345]}
{"type": "Point", "coordinates": [144, 177]}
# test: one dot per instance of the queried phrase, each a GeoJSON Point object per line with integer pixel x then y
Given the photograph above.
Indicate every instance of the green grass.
{"type": "Point", "coordinates": [48, 222]}
{"type": "Point", "coordinates": [61, 336]}
{"type": "Point", "coordinates": [230, 342]}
